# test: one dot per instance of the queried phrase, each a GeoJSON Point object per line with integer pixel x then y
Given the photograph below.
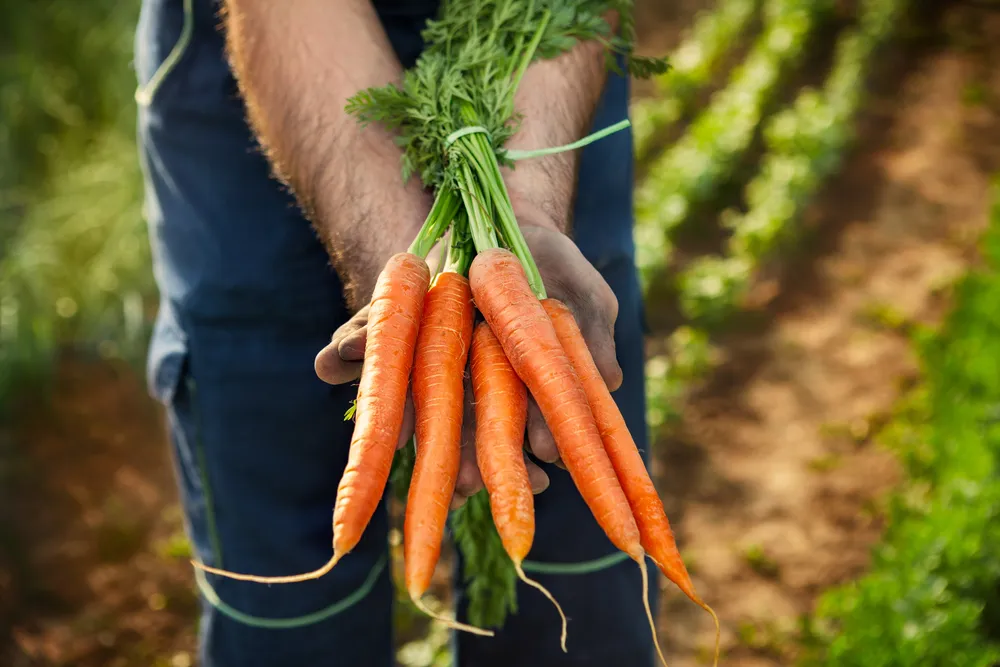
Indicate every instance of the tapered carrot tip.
{"type": "Point", "coordinates": [454, 625]}
{"type": "Point", "coordinates": [649, 612]}
{"type": "Point", "coordinates": [544, 591]}
{"type": "Point", "coordinates": [718, 630]}
{"type": "Point", "coordinates": [688, 589]}
{"type": "Point", "coordinates": [289, 579]}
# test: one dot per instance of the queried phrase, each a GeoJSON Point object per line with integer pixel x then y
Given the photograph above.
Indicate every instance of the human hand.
{"type": "Point", "coordinates": [340, 362]}
{"type": "Point", "coordinates": [568, 277]}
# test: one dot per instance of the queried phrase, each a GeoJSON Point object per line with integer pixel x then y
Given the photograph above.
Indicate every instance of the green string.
{"type": "Point", "coordinates": [540, 152]}
{"type": "Point", "coordinates": [587, 567]}
{"type": "Point", "coordinates": [465, 131]}
{"type": "Point", "coordinates": [587, 140]}
{"type": "Point", "coordinates": [144, 94]}
{"type": "Point", "coordinates": [295, 622]}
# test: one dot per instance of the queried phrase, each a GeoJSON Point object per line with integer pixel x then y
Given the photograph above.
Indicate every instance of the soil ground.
{"type": "Point", "coordinates": [772, 479]}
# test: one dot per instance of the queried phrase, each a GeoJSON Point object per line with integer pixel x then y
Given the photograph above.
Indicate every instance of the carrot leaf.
{"type": "Point", "coordinates": [489, 575]}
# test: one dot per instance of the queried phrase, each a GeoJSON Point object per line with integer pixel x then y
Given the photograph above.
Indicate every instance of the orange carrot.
{"type": "Point", "coordinates": [438, 394]}
{"type": "Point", "coordinates": [501, 413]}
{"type": "Point", "coordinates": [519, 321]}
{"type": "Point", "coordinates": [393, 323]}
{"type": "Point", "coordinates": [654, 527]}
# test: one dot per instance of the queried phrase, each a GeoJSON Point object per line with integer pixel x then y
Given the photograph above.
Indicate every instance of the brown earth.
{"type": "Point", "coordinates": [772, 479]}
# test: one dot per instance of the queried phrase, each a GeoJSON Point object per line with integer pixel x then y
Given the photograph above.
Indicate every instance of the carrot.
{"type": "Point", "coordinates": [654, 527]}
{"type": "Point", "coordinates": [393, 323]}
{"type": "Point", "coordinates": [519, 321]}
{"type": "Point", "coordinates": [438, 394]}
{"type": "Point", "coordinates": [501, 413]}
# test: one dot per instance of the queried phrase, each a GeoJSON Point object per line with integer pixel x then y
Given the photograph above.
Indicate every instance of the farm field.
{"type": "Point", "coordinates": [818, 229]}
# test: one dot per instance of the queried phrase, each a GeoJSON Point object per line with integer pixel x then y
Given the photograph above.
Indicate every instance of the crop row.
{"type": "Point", "coordinates": [932, 595]}
{"type": "Point", "coordinates": [805, 144]}
{"type": "Point", "coordinates": [691, 170]}
{"type": "Point", "coordinates": [692, 66]}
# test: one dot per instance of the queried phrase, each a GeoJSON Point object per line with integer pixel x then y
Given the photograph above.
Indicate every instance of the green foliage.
{"type": "Point", "coordinates": [687, 358]}
{"type": "Point", "coordinates": [807, 141]}
{"type": "Point", "coordinates": [65, 75]}
{"type": "Point", "coordinates": [692, 169]}
{"type": "Point", "coordinates": [805, 144]}
{"type": "Point", "coordinates": [74, 261]}
{"type": "Point", "coordinates": [692, 66]}
{"type": "Point", "coordinates": [79, 270]}
{"type": "Point", "coordinates": [934, 585]}
{"type": "Point", "coordinates": [489, 575]}
{"type": "Point", "coordinates": [475, 54]}
{"type": "Point", "coordinates": [711, 288]}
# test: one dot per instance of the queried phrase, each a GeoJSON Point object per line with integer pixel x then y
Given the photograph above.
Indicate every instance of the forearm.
{"type": "Point", "coordinates": [297, 64]}
{"type": "Point", "coordinates": [557, 100]}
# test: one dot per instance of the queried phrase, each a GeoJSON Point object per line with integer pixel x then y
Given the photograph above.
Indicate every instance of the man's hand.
{"type": "Point", "coordinates": [568, 277]}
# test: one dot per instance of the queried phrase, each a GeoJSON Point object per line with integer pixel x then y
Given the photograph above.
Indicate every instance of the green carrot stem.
{"type": "Point", "coordinates": [481, 157]}
{"type": "Point", "coordinates": [477, 211]}
{"type": "Point", "coordinates": [460, 250]}
{"type": "Point", "coordinates": [446, 206]}
{"type": "Point", "coordinates": [529, 53]}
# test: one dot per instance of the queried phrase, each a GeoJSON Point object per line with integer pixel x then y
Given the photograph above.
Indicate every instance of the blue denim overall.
{"type": "Point", "coordinates": [247, 299]}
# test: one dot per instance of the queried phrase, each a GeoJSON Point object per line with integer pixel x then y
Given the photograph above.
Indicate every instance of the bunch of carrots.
{"type": "Point", "coordinates": [484, 311]}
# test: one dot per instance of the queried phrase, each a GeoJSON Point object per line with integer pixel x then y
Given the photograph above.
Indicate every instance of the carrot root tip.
{"type": "Point", "coordinates": [290, 579]}
{"type": "Point", "coordinates": [544, 591]}
{"type": "Point", "coordinates": [649, 611]}
{"type": "Point", "coordinates": [454, 625]}
{"type": "Point", "coordinates": [718, 631]}
{"type": "Point", "coordinates": [701, 603]}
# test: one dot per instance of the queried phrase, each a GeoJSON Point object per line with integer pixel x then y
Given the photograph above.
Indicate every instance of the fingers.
{"type": "Point", "coordinates": [537, 477]}
{"type": "Point", "coordinates": [540, 439]}
{"type": "Point", "coordinates": [340, 361]}
{"type": "Point", "coordinates": [572, 279]}
{"type": "Point", "coordinates": [332, 369]}
{"type": "Point", "coordinates": [406, 431]}
{"type": "Point", "coordinates": [352, 345]}
{"type": "Point", "coordinates": [602, 348]}
{"type": "Point", "coordinates": [595, 313]}
{"type": "Point", "coordinates": [469, 481]}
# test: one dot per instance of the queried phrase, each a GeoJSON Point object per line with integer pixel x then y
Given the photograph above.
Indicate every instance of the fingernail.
{"type": "Point", "coordinates": [350, 351]}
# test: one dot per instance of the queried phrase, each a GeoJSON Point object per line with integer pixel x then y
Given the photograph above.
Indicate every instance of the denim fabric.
{"type": "Point", "coordinates": [247, 299]}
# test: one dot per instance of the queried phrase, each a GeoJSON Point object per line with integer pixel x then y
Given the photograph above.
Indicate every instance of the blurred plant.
{"type": "Point", "coordinates": [692, 65]}
{"type": "Point", "coordinates": [933, 591]}
{"type": "Point", "coordinates": [64, 75]}
{"type": "Point", "coordinates": [690, 172]}
{"type": "Point", "coordinates": [74, 261]}
{"type": "Point", "coordinates": [80, 269]}
{"type": "Point", "coordinates": [804, 144]}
